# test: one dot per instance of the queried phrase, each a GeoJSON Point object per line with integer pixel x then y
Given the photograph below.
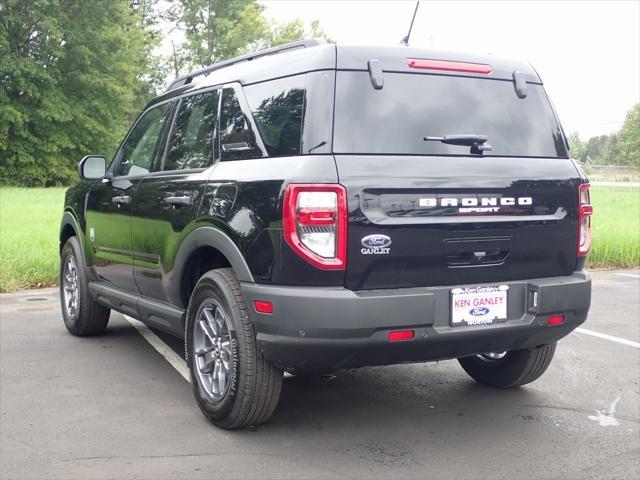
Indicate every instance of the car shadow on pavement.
{"type": "Point", "coordinates": [438, 397]}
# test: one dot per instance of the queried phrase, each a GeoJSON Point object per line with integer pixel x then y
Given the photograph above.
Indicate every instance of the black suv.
{"type": "Point", "coordinates": [316, 207]}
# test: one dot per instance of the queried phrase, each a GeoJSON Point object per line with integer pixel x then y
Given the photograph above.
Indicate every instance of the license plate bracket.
{"type": "Point", "coordinates": [481, 305]}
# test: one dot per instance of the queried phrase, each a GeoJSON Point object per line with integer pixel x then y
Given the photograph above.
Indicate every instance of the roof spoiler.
{"type": "Point", "coordinates": [186, 79]}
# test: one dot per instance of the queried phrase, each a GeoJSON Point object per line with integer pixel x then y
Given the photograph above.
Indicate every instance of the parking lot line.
{"type": "Point", "coordinates": [611, 338]}
{"type": "Point", "coordinates": [162, 348]}
{"type": "Point", "coordinates": [632, 275]}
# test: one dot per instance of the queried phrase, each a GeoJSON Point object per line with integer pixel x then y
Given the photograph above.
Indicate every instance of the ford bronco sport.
{"type": "Point", "coordinates": [316, 207]}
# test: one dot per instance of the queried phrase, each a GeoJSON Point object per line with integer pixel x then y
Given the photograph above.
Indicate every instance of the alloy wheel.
{"type": "Point", "coordinates": [70, 287]}
{"type": "Point", "coordinates": [212, 349]}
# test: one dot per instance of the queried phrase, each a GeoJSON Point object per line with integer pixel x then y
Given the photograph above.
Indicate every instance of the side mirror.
{"type": "Point", "coordinates": [92, 167]}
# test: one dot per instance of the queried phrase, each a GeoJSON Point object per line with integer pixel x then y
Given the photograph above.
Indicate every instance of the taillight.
{"type": "Point", "coordinates": [584, 220]}
{"type": "Point", "coordinates": [315, 223]}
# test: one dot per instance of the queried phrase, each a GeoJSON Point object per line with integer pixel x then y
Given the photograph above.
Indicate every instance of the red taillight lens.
{"type": "Point", "coordinates": [401, 335]}
{"type": "Point", "coordinates": [555, 320]}
{"type": "Point", "coordinates": [315, 223]}
{"type": "Point", "coordinates": [426, 64]}
{"type": "Point", "coordinates": [585, 210]}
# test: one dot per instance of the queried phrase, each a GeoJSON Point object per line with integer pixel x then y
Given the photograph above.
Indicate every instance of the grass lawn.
{"type": "Point", "coordinates": [616, 227]}
{"type": "Point", "coordinates": [30, 219]}
{"type": "Point", "coordinates": [29, 227]}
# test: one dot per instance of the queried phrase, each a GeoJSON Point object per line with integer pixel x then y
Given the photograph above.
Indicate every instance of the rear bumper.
{"type": "Point", "coordinates": [325, 329]}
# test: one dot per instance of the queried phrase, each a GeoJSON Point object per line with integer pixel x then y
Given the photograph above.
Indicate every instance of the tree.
{"type": "Point", "coordinates": [629, 138]}
{"type": "Point", "coordinates": [611, 151]}
{"type": "Point", "coordinates": [71, 74]}
{"type": "Point", "coordinates": [596, 147]}
{"type": "Point", "coordinates": [216, 30]}
{"type": "Point", "coordinates": [577, 147]}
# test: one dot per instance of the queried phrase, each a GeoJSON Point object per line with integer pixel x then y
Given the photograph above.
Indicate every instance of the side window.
{"type": "Point", "coordinates": [237, 139]}
{"type": "Point", "coordinates": [278, 109]}
{"type": "Point", "coordinates": [141, 146]}
{"type": "Point", "coordinates": [191, 144]}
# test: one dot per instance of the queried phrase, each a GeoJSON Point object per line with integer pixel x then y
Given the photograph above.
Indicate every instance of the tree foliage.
{"type": "Point", "coordinates": [72, 73]}
{"type": "Point", "coordinates": [620, 148]}
{"type": "Point", "coordinates": [216, 30]}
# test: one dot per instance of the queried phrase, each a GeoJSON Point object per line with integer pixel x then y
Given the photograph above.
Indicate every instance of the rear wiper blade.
{"type": "Point", "coordinates": [478, 143]}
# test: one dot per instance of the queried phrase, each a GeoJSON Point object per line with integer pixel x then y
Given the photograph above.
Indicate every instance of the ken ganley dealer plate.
{"type": "Point", "coordinates": [479, 305]}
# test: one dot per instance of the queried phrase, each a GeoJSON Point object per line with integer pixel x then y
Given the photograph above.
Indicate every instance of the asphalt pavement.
{"type": "Point", "coordinates": [113, 407]}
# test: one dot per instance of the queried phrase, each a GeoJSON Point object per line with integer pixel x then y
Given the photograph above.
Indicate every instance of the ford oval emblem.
{"type": "Point", "coordinates": [478, 311]}
{"type": "Point", "coordinates": [376, 240]}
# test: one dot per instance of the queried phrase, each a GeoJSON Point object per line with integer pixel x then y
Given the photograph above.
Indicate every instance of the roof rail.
{"type": "Point", "coordinates": [186, 79]}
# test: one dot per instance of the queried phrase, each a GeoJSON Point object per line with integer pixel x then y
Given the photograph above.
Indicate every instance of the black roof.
{"type": "Point", "coordinates": [315, 55]}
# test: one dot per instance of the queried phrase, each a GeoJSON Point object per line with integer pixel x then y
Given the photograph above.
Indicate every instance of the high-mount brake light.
{"type": "Point", "coordinates": [585, 210]}
{"type": "Point", "coordinates": [315, 223]}
{"type": "Point", "coordinates": [446, 65]}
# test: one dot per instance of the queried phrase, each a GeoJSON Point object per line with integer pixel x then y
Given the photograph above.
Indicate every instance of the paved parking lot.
{"type": "Point", "coordinates": [112, 407]}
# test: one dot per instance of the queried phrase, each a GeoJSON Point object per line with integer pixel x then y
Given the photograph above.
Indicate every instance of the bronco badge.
{"type": "Point", "coordinates": [375, 244]}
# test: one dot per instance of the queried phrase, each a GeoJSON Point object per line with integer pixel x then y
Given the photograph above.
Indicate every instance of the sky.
{"type": "Point", "coordinates": [587, 52]}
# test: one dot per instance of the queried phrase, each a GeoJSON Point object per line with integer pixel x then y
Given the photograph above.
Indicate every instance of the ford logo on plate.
{"type": "Point", "coordinates": [478, 311]}
{"type": "Point", "coordinates": [376, 240]}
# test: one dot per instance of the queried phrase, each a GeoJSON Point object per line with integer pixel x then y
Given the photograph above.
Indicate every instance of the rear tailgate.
{"type": "Point", "coordinates": [458, 220]}
{"type": "Point", "coordinates": [424, 210]}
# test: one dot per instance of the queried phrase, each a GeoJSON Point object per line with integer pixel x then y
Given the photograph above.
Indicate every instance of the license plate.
{"type": "Point", "coordinates": [479, 305]}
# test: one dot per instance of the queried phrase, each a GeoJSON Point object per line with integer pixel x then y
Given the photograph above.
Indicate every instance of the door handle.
{"type": "Point", "coordinates": [121, 200]}
{"type": "Point", "coordinates": [183, 201]}
{"type": "Point", "coordinates": [236, 147]}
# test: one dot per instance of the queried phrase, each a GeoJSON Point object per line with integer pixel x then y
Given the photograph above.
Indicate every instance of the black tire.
{"type": "Point", "coordinates": [517, 367]}
{"type": "Point", "coordinates": [88, 317]}
{"type": "Point", "coordinates": [254, 387]}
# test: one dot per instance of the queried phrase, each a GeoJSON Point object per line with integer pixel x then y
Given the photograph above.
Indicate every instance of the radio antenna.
{"type": "Point", "coordinates": [405, 40]}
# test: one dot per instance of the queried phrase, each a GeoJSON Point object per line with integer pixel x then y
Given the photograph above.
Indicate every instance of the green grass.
{"type": "Point", "coordinates": [30, 219]}
{"type": "Point", "coordinates": [616, 227]}
{"type": "Point", "coordinates": [29, 224]}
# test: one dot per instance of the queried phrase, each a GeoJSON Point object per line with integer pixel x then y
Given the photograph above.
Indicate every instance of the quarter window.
{"type": "Point", "coordinates": [237, 139]}
{"type": "Point", "coordinates": [278, 109]}
{"type": "Point", "coordinates": [141, 146]}
{"type": "Point", "coordinates": [192, 140]}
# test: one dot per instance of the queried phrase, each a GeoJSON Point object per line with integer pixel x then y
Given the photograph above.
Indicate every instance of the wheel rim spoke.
{"type": "Point", "coordinates": [206, 329]}
{"type": "Point", "coordinates": [222, 378]}
{"type": "Point", "coordinates": [210, 320]}
{"type": "Point", "coordinates": [219, 321]}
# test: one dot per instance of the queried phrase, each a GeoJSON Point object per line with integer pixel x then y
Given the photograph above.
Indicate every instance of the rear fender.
{"type": "Point", "coordinates": [209, 237]}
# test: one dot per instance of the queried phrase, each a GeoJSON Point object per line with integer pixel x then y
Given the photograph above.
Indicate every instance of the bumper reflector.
{"type": "Point", "coordinates": [263, 307]}
{"type": "Point", "coordinates": [555, 320]}
{"type": "Point", "coordinates": [401, 335]}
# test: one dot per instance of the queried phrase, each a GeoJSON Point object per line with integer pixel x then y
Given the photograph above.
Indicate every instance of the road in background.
{"type": "Point", "coordinates": [111, 407]}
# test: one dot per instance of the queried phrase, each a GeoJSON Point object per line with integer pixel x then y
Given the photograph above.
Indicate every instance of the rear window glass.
{"type": "Point", "coordinates": [191, 144]}
{"type": "Point", "coordinates": [237, 139]}
{"type": "Point", "coordinates": [395, 119]}
{"type": "Point", "coordinates": [278, 110]}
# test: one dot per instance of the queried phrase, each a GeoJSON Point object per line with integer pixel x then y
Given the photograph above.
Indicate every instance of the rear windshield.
{"type": "Point", "coordinates": [395, 119]}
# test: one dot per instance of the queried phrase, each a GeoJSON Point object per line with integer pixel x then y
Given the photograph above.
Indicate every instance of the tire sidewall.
{"type": "Point", "coordinates": [210, 287]}
{"type": "Point", "coordinates": [517, 368]}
